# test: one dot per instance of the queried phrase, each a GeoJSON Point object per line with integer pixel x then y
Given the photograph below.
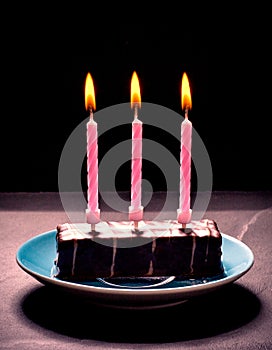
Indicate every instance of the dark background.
{"type": "Point", "coordinates": [43, 100]}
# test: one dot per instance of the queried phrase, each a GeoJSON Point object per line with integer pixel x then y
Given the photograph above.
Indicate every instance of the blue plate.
{"type": "Point", "coordinates": [36, 257]}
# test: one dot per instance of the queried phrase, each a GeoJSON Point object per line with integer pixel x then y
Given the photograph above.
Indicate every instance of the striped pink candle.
{"type": "Point", "coordinates": [184, 212]}
{"type": "Point", "coordinates": [136, 208]}
{"type": "Point", "coordinates": [92, 165]}
{"type": "Point", "coordinates": [92, 212]}
{"type": "Point", "coordinates": [136, 164]}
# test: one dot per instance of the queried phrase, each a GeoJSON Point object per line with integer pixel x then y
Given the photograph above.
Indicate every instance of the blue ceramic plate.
{"type": "Point", "coordinates": [36, 257]}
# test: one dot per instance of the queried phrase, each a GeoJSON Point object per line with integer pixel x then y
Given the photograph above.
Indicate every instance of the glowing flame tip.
{"type": "Point", "coordinates": [186, 100]}
{"type": "Point", "coordinates": [135, 93]}
{"type": "Point", "coordinates": [89, 93]}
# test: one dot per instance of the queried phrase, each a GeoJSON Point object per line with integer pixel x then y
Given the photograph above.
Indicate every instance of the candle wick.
{"type": "Point", "coordinates": [91, 112]}
{"type": "Point", "coordinates": [186, 112]}
{"type": "Point", "coordinates": [135, 111]}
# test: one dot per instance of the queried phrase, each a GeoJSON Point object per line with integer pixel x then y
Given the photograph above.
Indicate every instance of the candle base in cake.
{"type": "Point", "coordinates": [93, 217]}
{"type": "Point", "coordinates": [184, 217]}
{"type": "Point", "coordinates": [136, 214]}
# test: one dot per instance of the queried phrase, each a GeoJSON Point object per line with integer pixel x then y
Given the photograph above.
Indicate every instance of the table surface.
{"type": "Point", "coordinates": [237, 316]}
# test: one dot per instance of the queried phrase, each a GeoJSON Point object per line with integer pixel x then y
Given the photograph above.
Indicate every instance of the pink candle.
{"type": "Point", "coordinates": [92, 165]}
{"type": "Point", "coordinates": [136, 209]}
{"type": "Point", "coordinates": [136, 164]}
{"type": "Point", "coordinates": [92, 212]}
{"type": "Point", "coordinates": [184, 212]}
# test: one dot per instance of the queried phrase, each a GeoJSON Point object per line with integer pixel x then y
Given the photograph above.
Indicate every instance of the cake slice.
{"type": "Point", "coordinates": [157, 248]}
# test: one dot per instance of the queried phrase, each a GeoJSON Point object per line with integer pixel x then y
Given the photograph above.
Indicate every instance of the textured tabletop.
{"type": "Point", "coordinates": [238, 316]}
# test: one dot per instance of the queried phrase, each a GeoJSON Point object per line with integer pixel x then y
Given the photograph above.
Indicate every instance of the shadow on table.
{"type": "Point", "coordinates": [204, 316]}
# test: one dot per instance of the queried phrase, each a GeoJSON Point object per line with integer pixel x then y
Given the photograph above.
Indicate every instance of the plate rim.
{"type": "Point", "coordinates": [191, 289]}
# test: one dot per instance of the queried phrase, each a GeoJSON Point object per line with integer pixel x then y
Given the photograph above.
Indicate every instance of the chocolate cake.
{"type": "Point", "coordinates": [157, 248]}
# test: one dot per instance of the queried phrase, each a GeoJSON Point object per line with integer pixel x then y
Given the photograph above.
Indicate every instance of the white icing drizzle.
{"type": "Point", "coordinates": [208, 241]}
{"type": "Point", "coordinates": [151, 268]}
{"type": "Point", "coordinates": [193, 254]}
{"type": "Point", "coordinates": [114, 245]}
{"type": "Point", "coordinates": [74, 257]}
{"type": "Point", "coordinates": [55, 269]}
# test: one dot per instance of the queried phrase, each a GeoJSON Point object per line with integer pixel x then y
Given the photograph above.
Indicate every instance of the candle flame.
{"type": "Point", "coordinates": [186, 101]}
{"type": "Point", "coordinates": [135, 94]}
{"type": "Point", "coordinates": [89, 93]}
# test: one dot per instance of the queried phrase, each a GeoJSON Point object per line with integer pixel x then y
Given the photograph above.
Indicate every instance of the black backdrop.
{"type": "Point", "coordinates": [43, 101]}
